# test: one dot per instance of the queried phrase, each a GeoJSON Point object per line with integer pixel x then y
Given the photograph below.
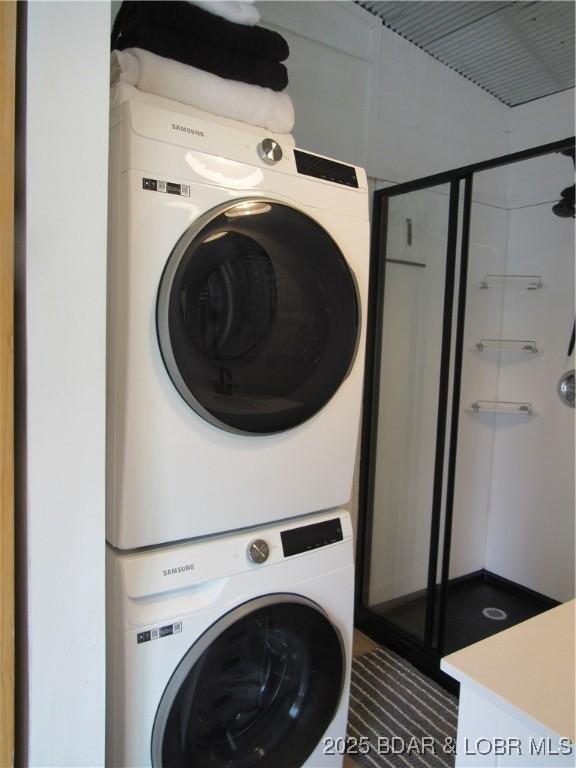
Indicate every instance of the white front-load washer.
{"type": "Point", "coordinates": [233, 651]}
{"type": "Point", "coordinates": [238, 274]}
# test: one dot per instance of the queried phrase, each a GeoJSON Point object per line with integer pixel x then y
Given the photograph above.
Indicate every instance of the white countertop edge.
{"type": "Point", "coordinates": [505, 705]}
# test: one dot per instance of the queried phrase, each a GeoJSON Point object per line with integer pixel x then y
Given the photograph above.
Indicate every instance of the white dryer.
{"type": "Point", "coordinates": [234, 651]}
{"type": "Point", "coordinates": [238, 274]}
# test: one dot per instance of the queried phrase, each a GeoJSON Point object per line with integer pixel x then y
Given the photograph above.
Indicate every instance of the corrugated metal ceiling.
{"type": "Point", "coordinates": [517, 51]}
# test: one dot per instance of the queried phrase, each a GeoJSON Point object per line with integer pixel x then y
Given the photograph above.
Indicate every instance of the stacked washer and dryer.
{"type": "Point", "coordinates": [238, 269]}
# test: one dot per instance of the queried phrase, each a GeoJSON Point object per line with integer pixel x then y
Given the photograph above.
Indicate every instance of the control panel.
{"type": "Point", "coordinates": [309, 537]}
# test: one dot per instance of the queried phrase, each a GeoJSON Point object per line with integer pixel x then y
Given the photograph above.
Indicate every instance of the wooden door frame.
{"type": "Point", "coordinates": [8, 11]}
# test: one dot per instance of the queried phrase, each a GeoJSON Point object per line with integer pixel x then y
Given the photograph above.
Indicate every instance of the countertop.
{"type": "Point", "coordinates": [529, 667]}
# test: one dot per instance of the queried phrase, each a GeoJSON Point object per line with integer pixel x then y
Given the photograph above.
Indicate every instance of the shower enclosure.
{"type": "Point", "coordinates": [466, 521]}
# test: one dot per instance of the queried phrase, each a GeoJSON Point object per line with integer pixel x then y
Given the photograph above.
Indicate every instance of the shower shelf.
{"type": "Point", "coordinates": [501, 406]}
{"type": "Point", "coordinates": [507, 345]}
{"type": "Point", "coordinates": [534, 282]}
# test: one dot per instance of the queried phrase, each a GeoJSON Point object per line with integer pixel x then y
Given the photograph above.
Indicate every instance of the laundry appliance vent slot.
{"type": "Point", "coordinates": [329, 170]}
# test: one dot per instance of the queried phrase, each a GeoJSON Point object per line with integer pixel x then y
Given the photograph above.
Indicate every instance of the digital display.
{"type": "Point", "coordinates": [308, 537]}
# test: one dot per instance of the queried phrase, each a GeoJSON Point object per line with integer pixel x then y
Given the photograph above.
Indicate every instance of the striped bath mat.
{"type": "Point", "coordinates": [398, 717]}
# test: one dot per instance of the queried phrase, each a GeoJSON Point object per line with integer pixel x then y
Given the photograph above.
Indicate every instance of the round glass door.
{"type": "Point", "coordinates": [257, 317]}
{"type": "Point", "coordinates": [257, 690]}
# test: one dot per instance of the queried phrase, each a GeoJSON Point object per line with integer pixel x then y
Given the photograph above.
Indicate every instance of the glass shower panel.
{"type": "Point", "coordinates": [512, 539]}
{"type": "Point", "coordinates": [412, 326]}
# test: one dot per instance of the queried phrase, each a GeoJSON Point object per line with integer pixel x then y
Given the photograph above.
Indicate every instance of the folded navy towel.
{"type": "Point", "coordinates": [193, 21]}
{"type": "Point", "coordinates": [231, 65]}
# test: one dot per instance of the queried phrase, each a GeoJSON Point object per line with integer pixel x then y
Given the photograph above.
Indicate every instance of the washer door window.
{"type": "Point", "coordinates": [257, 317]}
{"type": "Point", "coordinates": [258, 689]}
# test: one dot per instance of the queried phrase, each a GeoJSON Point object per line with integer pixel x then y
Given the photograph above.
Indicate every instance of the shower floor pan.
{"type": "Point", "coordinates": [479, 605]}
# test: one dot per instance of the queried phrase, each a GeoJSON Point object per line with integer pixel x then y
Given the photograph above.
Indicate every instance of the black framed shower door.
{"type": "Point", "coordinates": [403, 587]}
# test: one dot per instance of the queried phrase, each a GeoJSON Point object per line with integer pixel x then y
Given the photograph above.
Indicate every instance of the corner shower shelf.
{"type": "Point", "coordinates": [533, 282]}
{"type": "Point", "coordinates": [501, 406]}
{"type": "Point", "coordinates": [507, 345]}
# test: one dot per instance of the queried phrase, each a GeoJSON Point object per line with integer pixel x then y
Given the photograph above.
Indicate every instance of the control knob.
{"type": "Point", "coordinates": [258, 551]}
{"type": "Point", "coordinates": [270, 151]}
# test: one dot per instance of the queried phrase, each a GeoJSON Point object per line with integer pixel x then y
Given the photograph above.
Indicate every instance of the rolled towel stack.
{"type": "Point", "coordinates": [181, 51]}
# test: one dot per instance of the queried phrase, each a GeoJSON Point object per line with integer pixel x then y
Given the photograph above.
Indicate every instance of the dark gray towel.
{"type": "Point", "coordinates": [194, 22]}
{"type": "Point", "coordinates": [188, 50]}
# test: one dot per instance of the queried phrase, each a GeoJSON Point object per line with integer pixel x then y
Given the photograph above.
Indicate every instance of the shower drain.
{"type": "Point", "coordinates": [496, 614]}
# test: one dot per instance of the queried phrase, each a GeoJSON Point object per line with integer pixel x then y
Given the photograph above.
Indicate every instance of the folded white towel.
{"type": "Point", "coordinates": [165, 77]}
{"type": "Point", "coordinates": [121, 92]}
{"type": "Point", "coordinates": [239, 12]}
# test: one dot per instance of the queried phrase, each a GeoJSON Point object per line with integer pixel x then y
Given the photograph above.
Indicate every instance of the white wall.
{"type": "Point", "coordinates": [65, 263]}
{"type": "Point", "coordinates": [333, 70]}
{"type": "Point", "coordinates": [542, 121]}
{"type": "Point", "coordinates": [365, 95]}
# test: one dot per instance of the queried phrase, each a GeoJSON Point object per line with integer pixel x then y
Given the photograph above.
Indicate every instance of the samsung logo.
{"type": "Point", "coordinates": [186, 129]}
{"type": "Point", "coordinates": [178, 569]}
